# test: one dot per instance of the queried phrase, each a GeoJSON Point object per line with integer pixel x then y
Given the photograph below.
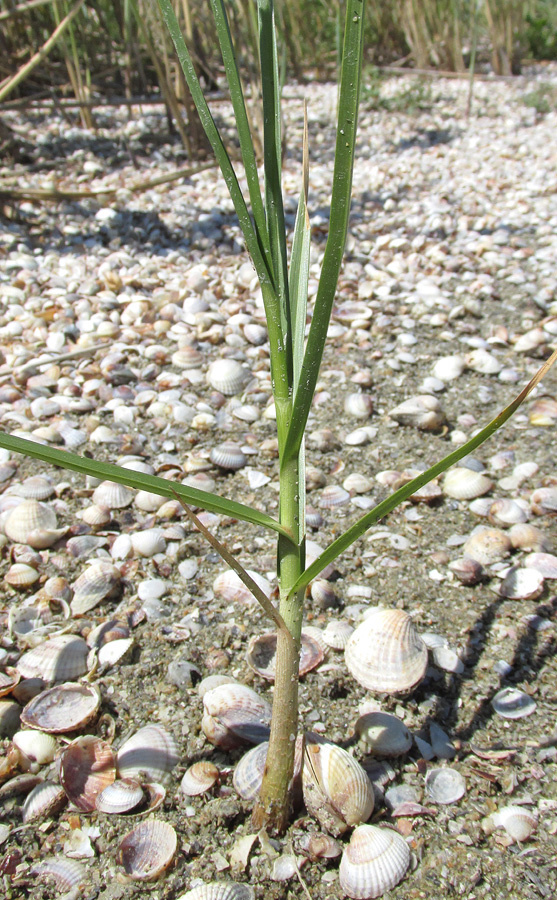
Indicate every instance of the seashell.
{"type": "Point", "coordinates": [507, 512]}
{"type": "Point", "coordinates": [385, 653]}
{"type": "Point", "coordinates": [155, 794]}
{"type": "Point", "coordinates": [481, 506]}
{"type": "Point", "coordinates": [358, 405]}
{"type": "Point", "coordinates": [332, 496]}
{"type": "Point", "coordinates": [423, 412]}
{"type": "Point", "coordinates": [445, 785]}
{"type": "Point", "coordinates": [448, 368]}
{"type": "Point", "coordinates": [100, 581]}
{"type": "Point", "coordinates": [187, 358]}
{"type": "Point", "coordinates": [28, 521]}
{"type": "Point", "coordinates": [84, 545]}
{"type": "Point", "coordinates": [529, 537]}
{"type": "Point", "coordinates": [112, 630]}
{"type": "Point", "coordinates": [487, 546]}
{"type": "Point", "coordinates": [229, 587]}
{"type": "Point", "coordinates": [228, 376]}
{"type": "Point", "coordinates": [67, 874]}
{"type": "Point", "coordinates": [462, 483]}
{"type": "Point", "coordinates": [336, 633]}
{"type": "Point", "coordinates": [21, 576]}
{"type": "Point", "coordinates": [383, 734]}
{"type": "Point", "coordinates": [148, 542]}
{"type": "Point", "coordinates": [336, 789]}
{"type": "Point", "coordinates": [522, 584]}
{"type": "Point", "coordinates": [37, 487]}
{"type": "Point", "coordinates": [61, 658]}
{"type": "Point", "coordinates": [543, 411]}
{"type": "Point", "coordinates": [113, 652]}
{"type": "Point", "coordinates": [9, 679]}
{"type": "Point", "coordinates": [256, 334]}
{"type": "Point", "coordinates": [319, 845]}
{"type": "Point", "coordinates": [112, 495]}
{"type": "Point", "coordinates": [358, 483]}
{"type": "Point", "coordinates": [119, 797]}
{"type": "Point", "coordinates": [324, 594]}
{"type": "Point", "coordinates": [44, 800]}
{"type": "Point", "coordinates": [543, 502]}
{"type": "Point", "coordinates": [148, 850]}
{"type": "Point", "coordinates": [468, 571]}
{"type": "Point", "coordinates": [63, 708]}
{"type": "Point", "coordinates": [359, 436]}
{"type": "Point", "coordinates": [510, 703]}
{"type": "Point", "coordinates": [96, 516]}
{"type": "Point", "coordinates": [213, 681]}
{"type": "Point", "coordinates": [148, 502]}
{"type": "Point", "coordinates": [199, 778]}
{"type": "Point", "coordinates": [228, 455]}
{"type": "Point", "coordinates": [374, 861]}
{"type": "Point", "coordinates": [261, 655]}
{"type": "Point", "coordinates": [519, 822]}
{"type": "Point", "coordinates": [35, 746]}
{"type": "Point", "coordinates": [87, 767]}
{"type": "Point", "coordinates": [448, 660]}
{"type": "Point", "coordinates": [248, 774]}
{"type": "Point", "coordinates": [235, 715]}
{"type": "Point", "coordinates": [220, 890]}
{"type": "Point", "coordinates": [544, 563]}
{"type": "Point", "coordinates": [324, 440]}
{"type": "Point", "coordinates": [150, 754]}
{"type": "Point", "coordinates": [484, 362]}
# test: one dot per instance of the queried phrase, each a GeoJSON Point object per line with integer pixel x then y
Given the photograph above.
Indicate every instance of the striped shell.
{"type": "Point", "coordinates": [67, 874]}
{"type": "Point", "coordinates": [62, 658]}
{"type": "Point", "coordinates": [112, 495]}
{"type": "Point", "coordinates": [248, 774]}
{"type": "Point", "coordinates": [199, 778]}
{"type": "Point", "coordinates": [337, 790]}
{"type": "Point", "coordinates": [220, 890]}
{"type": "Point", "coordinates": [9, 679]}
{"type": "Point", "coordinates": [63, 708]}
{"type": "Point", "coordinates": [462, 483]}
{"type": "Point", "coordinates": [35, 746]}
{"type": "Point", "coordinates": [235, 715]}
{"type": "Point", "coordinates": [228, 455]}
{"type": "Point", "coordinates": [99, 581]}
{"type": "Point", "coordinates": [119, 797]}
{"type": "Point", "coordinates": [148, 850]}
{"type": "Point", "coordinates": [150, 753]}
{"type": "Point", "coordinates": [30, 523]}
{"type": "Point", "coordinates": [87, 767]}
{"type": "Point", "coordinates": [21, 576]}
{"type": "Point", "coordinates": [43, 801]}
{"type": "Point", "coordinates": [375, 860]}
{"type": "Point", "coordinates": [519, 822]}
{"type": "Point", "coordinates": [227, 376]}
{"type": "Point", "coordinates": [386, 653]}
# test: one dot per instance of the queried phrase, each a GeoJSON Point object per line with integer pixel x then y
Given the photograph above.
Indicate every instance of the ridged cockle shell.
{"type": "Point", "coordinates": [375, 860]}
{"type": "Point", "coordinates": [336, 789]}
{"type": "Point", "coordinates": [386, 653]}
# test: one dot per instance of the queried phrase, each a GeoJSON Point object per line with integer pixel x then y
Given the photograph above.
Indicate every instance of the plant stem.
{"type": "Point", "coordinates": [273, 807]}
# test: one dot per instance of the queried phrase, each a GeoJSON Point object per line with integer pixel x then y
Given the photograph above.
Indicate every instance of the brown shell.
{"type": "Point", "coordinates": [261, 655]}
{"type": "Point", "coordinates": [148, 850]}
{"type": "Point", "coordinates": [87, 767]}
{"type": "Point", "coordinates": [63, 708]}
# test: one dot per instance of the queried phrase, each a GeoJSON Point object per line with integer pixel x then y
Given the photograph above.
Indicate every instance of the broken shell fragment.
{"type": "Point", "coordinates": [374, 861]}
{"type": "Point", "coordinates": [63, 708]}
{"type": "Point", "coordinates": [445, 785]}
{"type": "Point", "coordinates": [336, 789]}
{"type": "Point", "coordinates": [423, 412]}
{"type": "Point", "coordinates": [61, 658]}
{"type": "Point", "coordinates": [9, 679]}
{"type": "Point", "coordinates": [87, 767]}
{"type": "Point", "coordinates": [386, 653]}
{"type": "Point", "coordinates": [148, 850]}
{"type": "Point", "coordinates": [510, 703]}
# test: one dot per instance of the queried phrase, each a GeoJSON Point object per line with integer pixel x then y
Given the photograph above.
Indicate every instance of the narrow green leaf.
{"type": "Point", "coordinates": [299, 266]}
{"type": "Point", "coordinates": [140, 481]}
{"type": "Point", "coordinates": [242, 124]}
{"type": "Point", "coordinates": [340, 210]}
{"type": "Point", "coordinates": [386, 506]}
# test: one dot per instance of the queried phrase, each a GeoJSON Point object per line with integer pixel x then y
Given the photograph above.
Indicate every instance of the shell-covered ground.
{"type": "Point", "coordinates": [112, 311]}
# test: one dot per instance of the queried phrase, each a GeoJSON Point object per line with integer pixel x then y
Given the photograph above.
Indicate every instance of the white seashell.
{"type": "Point", "coordinates": [87, 767]}
{"type": "Point", "coordinates": [63, 708]}
{"type": "Point", "coordinates": [360, 436]}
{"type": "Point", "coordinates": [113, 652]}
{"type": "Point", "coordinates": [96, 516]}
{"type": "Point", "coordinates": [324, 594]}
{"type": "Point", "coordinates": [358, 405]}
{"type": "Point", "coordinates": [336, 789]}
{"type": "Point", "coordinates": [333, 496]}
{"type": "Point", "coordinates": [37, 487]}
{"type": "Point", "coordinates": [522, 584]}
{"type": "Point", "coordinates": [468, 571]}
{"type": "Point", "coordinates": [30, 519]}
{"type": "Point", "coordinates": [254, 333]}
{"type": "Point", "coordinates": [543, 411]}
{"type": "Point", "coordinates": [21, 576]}
{"type": "Point", "coordinates": [484, 362]}
{"type": "Point", "coordinates": [220, 890]}
{"type": "Point", "coordinates": [149, 542]}
{"type": "Point", "coordinates": [35, 746]}
{"type": "Point", "coordinates": [62, 658]}
{"type": "Point", "coordinates": [544, 563]}
{"type": "Point", "coordinates": [67, 874]}
{"type": "Point", "coordinates": [261, 654]}
{"type": "Point", "coordinates": [507, 512]}
{"type": "Point", "coordinates": [385, 653]}
{"type": "Point", "coordinates": [519, 822]}
{"type": "Point", "coordinates": [100, 581]}
{"type": "Point", "coordinates": [423, 412]}
{"type": "Point", "coordinates": [374, 861]}
{"type": "Point", "coordinates": [510, 703]}
{"type": "Point", "coordinates": [148, 502]}
{"type": "Point", "coordinates": [462, 483]}
{"type": "Point", "coordinates": [150, 753]}
{"type": "Point", "coordinates": [448, 368]}
{"type": "Point", "coordinates": [44, 800]}
{"type": "Point", "coordinates": [9, 679]}
{"type": "Point", "coordinates": [543, 501]}
{"type": "Point", "coordinates": [358, 482]}
{"type": "Point", "coordinates": [148, 850]}
{"type": "Point", "coordinates": [529, 537]}
{"type": "Point", "coordinates": [235, 715]}
{"type": "Point", "coordinates": [383, 734]}
{"type": "Point", "coordinates": [229, 587]}
{"type": "Point", "coordinates": [487, 546]}
{"type": "Point", "coordinates": [445, 785]}
{"type": "Point", "coordinates": [112, 495]}
{"type": "Point", "coordinates": [228, 455]}
{"type": "Point", "coordinates": [199, 778]}
{"type": "Point", "coordinates": [228, 376]}
{"type": "Point", "coordinates": [119, 797]}
{"type": "Point", "coordinates": [336, 633]}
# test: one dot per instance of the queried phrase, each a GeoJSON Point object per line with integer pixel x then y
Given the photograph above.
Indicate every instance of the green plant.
{"type": "Point", "coordinates": [295, 362]}
{"type": "Point", "coordinates": [543, 98]}
{"type": "Point", "coordinates": [541, 31]}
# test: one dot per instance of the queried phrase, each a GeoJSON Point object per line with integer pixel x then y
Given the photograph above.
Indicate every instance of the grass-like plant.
{"type": "Point", "coordinates": [294, 357]}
